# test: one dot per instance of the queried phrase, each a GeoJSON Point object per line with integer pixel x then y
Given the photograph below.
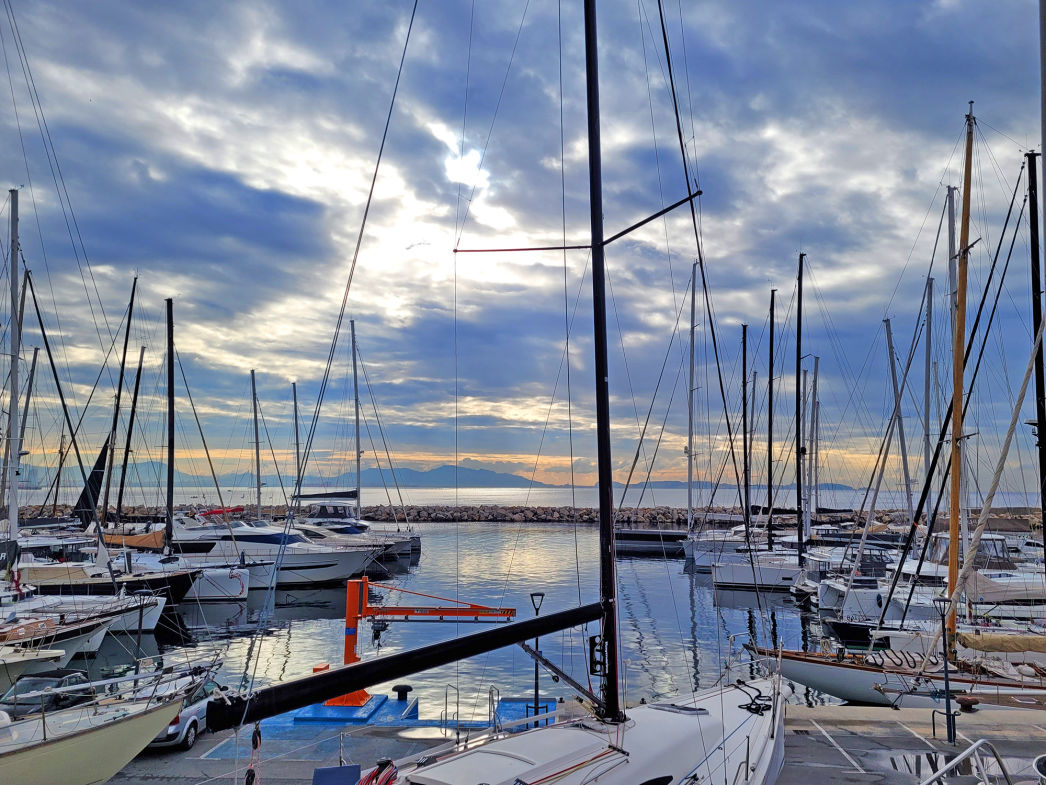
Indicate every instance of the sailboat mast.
{"type": "Point", "coordinates": [927, 449]}
{"type": "Point", "coordinates": [1036, 312]}
{"type": "Point", "coordinates": [746, 466]}
{"type": "Point", "coordinates": [811, 448]}
{"type": "Point", "coordinates": [607, 583]}
{"type": "Point", "coordinates": [58, 473]}
{"type": "Point", "coordinates": [168, 533]}
{"type": "Point", "coordinates": [958, 347]}
{"type": "Point", "coordinates": [690, 406]}
{"type": "Point", "coordinates": [257, 446]}
{"type": "Point", "coordinates": [130, 430]}
{"type": "Point", "coordinates": [899, 418]}
{"type": "Point", "coordinates": [770, 434]}
{"type": "Point", "coordinates": [799, 412]}
{"type": "Point", "coordinates": [356, 401]}
{"type": "Point", "coordinates": [16, 335]}
{"type": "Point", "coordinates": [297, 440]}
{"type": "Point", "coordinates": [116, 407]}
{"type": "Point", "coordinates": [28, 392]}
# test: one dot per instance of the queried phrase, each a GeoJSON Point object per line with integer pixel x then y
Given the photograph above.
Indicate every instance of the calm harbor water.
{"type": "Point", "coordinates": [675, 636]}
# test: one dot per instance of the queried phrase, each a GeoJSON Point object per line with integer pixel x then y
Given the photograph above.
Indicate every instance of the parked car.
{"type": "Point", "coordinates": [190, 721]}
{"type": "Point", "coordinates": [17, 707]}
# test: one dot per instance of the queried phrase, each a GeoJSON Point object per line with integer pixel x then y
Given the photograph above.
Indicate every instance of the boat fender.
{"type": "Point", "coordinates": [879, 600]}
{"type": "Point", "coordinates": [249, 777]}
{"type": "Point", "coordinates": [1026, 670]}
{"type": "Point", "coordinates": [256, 737]}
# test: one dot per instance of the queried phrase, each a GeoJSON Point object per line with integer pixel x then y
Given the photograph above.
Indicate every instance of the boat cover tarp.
{"type": "Point", "coordinates": [328, 495]}
{"type": "Point", "coordinates": [152, 541]}
{"type": "Point", "coordinates": [997, 641]}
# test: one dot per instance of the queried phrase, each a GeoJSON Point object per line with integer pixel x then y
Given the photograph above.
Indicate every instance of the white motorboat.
{"type": "Point", "coordinates": [259, 546]}
{"type": "Point", "coordinates": [769, 571]}
{"type": "Point", "coordinates": [216, 582]}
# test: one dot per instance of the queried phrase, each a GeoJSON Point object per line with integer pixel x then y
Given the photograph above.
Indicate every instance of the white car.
{"type": "Point", "coordinates": [190, 721]}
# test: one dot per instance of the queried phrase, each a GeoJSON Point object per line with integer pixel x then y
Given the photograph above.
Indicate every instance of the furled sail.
{"type": "Point", "coordinates": [84, 509]}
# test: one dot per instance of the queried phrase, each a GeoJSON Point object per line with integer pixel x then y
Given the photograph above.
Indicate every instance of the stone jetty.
{"type": "Point", "coordinates": [1005, 520]}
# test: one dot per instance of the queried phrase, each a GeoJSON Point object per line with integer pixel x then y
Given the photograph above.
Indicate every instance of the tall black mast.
{"type": "Point", "coordinates": [168, 532]}
{"type": "Point", "coordinates": [745, 465]}
{"type": "Point", "coordinates": [607, 586]}
{"type": "Point", "coordinates": [130, 430]}
{"type": "Point", "coordinates": [770, 435]}
{"type": "Point", "coordinates": [1036, 313]}
{"type": "Point", "coordinates": [799, 410]}
{"type": "Point", "coordinates": [116, 407]}
{"type": "Point", "coordinates": [297, 441]}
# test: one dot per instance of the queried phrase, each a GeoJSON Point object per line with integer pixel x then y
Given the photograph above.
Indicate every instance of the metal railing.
{"type": "Point", "coordinates": [974, 751]}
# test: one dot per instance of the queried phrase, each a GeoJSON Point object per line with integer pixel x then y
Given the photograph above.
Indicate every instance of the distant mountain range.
{"type": "Point", "coordinates": [149, 473]}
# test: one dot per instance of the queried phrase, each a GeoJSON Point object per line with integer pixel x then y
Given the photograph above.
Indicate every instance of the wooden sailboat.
{"type": "Point", "coordinates": [739, 726]}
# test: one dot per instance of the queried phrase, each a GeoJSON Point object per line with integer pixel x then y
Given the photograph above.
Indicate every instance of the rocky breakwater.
{"type": "Point", "coordinates": [644, 517]}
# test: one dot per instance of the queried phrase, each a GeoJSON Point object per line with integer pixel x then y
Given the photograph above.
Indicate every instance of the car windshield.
{"type": "Point", "coordinates": [203, 692]}
{"type": "Point", "coordinates": [27, 685]}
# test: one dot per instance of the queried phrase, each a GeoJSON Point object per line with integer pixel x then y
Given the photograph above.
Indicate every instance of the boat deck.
{"type": "Point", "coordinates": [823, 745]}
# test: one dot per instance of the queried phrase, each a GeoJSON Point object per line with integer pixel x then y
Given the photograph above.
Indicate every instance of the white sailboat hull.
{"type": "Point", "coordinates": [221, 584]}
{"type": "Point", "coordinates": [87, 749]}
{"type": "Point", "coordinates": [15, 662]}
{"type": "Point", "coordinates": [910, 690]}
{"type": "Point", "coordinates": [696, 740]}
{"type": "Point", "coordinates": [764, 576]}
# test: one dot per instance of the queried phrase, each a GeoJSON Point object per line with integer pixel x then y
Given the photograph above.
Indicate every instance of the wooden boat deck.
{"type": "Point", "coordinates": [823, 745]}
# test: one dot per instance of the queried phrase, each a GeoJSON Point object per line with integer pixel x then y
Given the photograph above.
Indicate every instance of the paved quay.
{"type": "Point", "coordinates": [824, 745]}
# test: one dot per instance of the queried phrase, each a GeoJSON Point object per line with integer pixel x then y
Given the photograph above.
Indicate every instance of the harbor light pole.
{"type": "Point", "coordinates": [536, 598]}
{"type": "Point", "coordinates": [942, 604]}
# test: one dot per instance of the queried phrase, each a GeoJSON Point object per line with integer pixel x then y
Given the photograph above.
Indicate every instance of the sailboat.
{"type": "Point", "coordinates": [76, 746]}
{"type": "Point", "coordinates": [997, 666]}
{"type": "Point", "coordinates": [732, 732]}
{"type": "Point", "coordinates": [769, 570]}
{"type": "Point", "coordinates": [334, 517]}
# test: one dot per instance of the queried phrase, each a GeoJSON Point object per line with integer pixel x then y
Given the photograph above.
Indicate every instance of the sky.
{"type": "Point", "coordinates": [224, 153]}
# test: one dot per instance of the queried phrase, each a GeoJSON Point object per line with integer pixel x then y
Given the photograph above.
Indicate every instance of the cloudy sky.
{"type": "Point", "coordinates": [223, 152]}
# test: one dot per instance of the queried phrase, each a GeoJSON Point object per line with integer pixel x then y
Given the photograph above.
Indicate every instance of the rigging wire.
{"type": "Point", "coordinates": [72, 225]}
{"type": "Point", "coordinates": [355, 257]}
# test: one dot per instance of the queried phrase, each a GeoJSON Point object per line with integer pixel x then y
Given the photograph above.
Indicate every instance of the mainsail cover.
{"type": "Point", "coordinates": [1000, 641]}
{"type": "Point", "coordinates": [85, 507]}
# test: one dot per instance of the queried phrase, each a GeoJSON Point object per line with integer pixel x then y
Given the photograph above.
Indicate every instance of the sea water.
{"type": "Point", "coordinates": [676, 633]}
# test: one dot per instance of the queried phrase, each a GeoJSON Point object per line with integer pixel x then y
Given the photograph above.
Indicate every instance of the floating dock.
{"type": "Point", "coordinates": [824, 745]}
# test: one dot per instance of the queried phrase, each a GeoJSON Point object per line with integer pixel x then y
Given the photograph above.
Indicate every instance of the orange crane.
{"type": "Point", "coordinates": [357, 606]}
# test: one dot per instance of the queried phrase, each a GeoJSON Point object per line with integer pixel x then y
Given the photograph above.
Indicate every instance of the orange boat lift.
{"type": "Point", "coordinates": [358, 606]}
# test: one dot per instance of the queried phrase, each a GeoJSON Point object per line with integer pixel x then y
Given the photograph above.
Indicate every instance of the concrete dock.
{"type": "Point", "coordinates": [823, 745]}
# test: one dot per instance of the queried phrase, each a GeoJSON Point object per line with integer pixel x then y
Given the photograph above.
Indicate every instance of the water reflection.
{"type": "Point", "coordinates": [677, 633]}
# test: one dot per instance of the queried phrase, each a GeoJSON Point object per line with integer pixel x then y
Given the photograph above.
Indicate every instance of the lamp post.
{"type": "Point", "coordinates": [942, 604]}
{"type": "Point", "coordinates": [536, 598]}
